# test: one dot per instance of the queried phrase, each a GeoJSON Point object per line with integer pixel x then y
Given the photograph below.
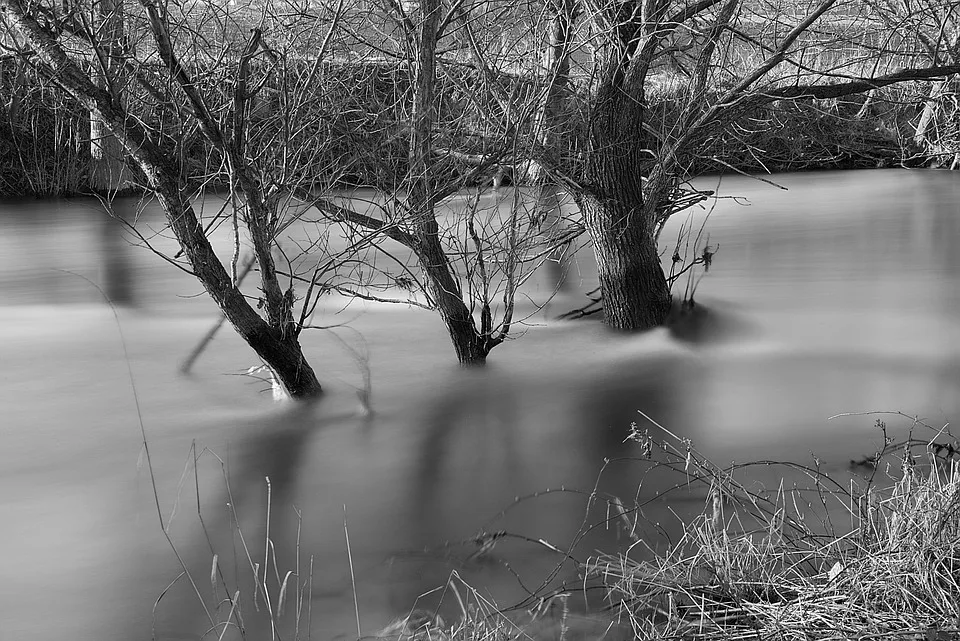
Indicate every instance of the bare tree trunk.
{"type": "Point", "coordinates": [279, 349]}
{"type": "Point", "coordinates": [471, 348]}
{"type": "Point", "coordinates": [108, 173]}
{"type": "Point", "coordinates": [620, 222]}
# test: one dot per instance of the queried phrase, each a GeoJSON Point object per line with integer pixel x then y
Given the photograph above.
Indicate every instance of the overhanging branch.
{"type": "Point", "coordinates": [860, 85]}
{"type": "Point", "coordinates": [368, 222]}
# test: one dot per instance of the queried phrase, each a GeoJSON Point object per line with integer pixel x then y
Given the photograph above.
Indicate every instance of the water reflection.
{"type": "Point", "coordinates": [838, 296]}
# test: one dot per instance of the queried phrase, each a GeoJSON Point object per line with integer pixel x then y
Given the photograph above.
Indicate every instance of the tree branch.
{"type": "Point", "coordinates": [161, 36]}
{"type": "Point", "coordinates": [859, 85]}
{"type": "Point", "coordinates": [778, 56]}
{"type": "Point", "coordinates": [162, 176]}
{"type": "Point", "coordinates": [241, 96]}
{"type": "Point", "coordinates": [369, 222]}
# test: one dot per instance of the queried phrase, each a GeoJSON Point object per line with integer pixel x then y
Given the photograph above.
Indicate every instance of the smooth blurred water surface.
{"type": "Point", "coordinates": [843, 288]}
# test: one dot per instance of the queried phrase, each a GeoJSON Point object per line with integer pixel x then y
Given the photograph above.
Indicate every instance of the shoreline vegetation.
{"type": "Point", "coordinates": [870, 552]}
{"type": "Point", "coordinates": [872, 556]}
{"type": "Point", "coordinates": [45, 141]}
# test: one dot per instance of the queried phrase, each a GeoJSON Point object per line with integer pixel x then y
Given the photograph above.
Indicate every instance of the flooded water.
{"type": "Point", "coordinates": [843, 290]}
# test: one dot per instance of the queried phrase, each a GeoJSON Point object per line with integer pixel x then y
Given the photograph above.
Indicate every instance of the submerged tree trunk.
{"type": "Point", "coordinates": [277, 346]}
{"type": "Point", "coordinates": [620, 221]}
{"type": "Point", "coordinates": [471, 347]}
{"type": "Point", "coordinates": [636, 295]}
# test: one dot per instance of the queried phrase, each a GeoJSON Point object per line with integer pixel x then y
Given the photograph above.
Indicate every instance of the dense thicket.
{"type": "Point", "coordinates": [44, 134]}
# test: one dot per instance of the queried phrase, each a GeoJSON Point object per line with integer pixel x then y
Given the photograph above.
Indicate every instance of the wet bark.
{"type": "Point", "coordinates": [279, 348]}
{"type": "Point", "coordinates": [471, 348]}
{"type": "Point", "coordinates": [636, 295]}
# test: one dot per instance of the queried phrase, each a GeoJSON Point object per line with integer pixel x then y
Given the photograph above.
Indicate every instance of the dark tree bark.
{"type": "Point", "coordinates": [618, 214]}
{"type": "Point", "coordinates": [279, 347]}
{"type": "Point", "coordinates": [633, 169]}
{"type": "Point", "coordinates": [636, 295]}
{"type": "Point", "coordinates": [469, 345]}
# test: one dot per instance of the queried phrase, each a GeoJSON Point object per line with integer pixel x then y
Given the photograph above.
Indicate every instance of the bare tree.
{"type": "Point", "coordinates": [611, 102]}
{"type": "Point", "coordinates": [662, 79]}
{"type": "Point", "coordinates": [467, 97]}
{"type": "Point", "coordinates": [186, 91]}
{"type": "Point", "coordinates": [285, 100]}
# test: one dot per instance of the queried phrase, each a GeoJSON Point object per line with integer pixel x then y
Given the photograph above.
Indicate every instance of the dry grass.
{"type": "Point", "coordinates": [247, 591]}
{"type": "Point", "coordinates": [778, 567]}
{"type": "Point", "coordinates": [875, 557]}
{"type": "Point", "coordinates": [873, 554]}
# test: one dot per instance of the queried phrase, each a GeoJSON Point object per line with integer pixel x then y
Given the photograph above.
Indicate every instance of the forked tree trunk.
{"type": "Point", "coordinates": [470, 346]}
{"type": "Point", "coordinates": [278, 348]}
